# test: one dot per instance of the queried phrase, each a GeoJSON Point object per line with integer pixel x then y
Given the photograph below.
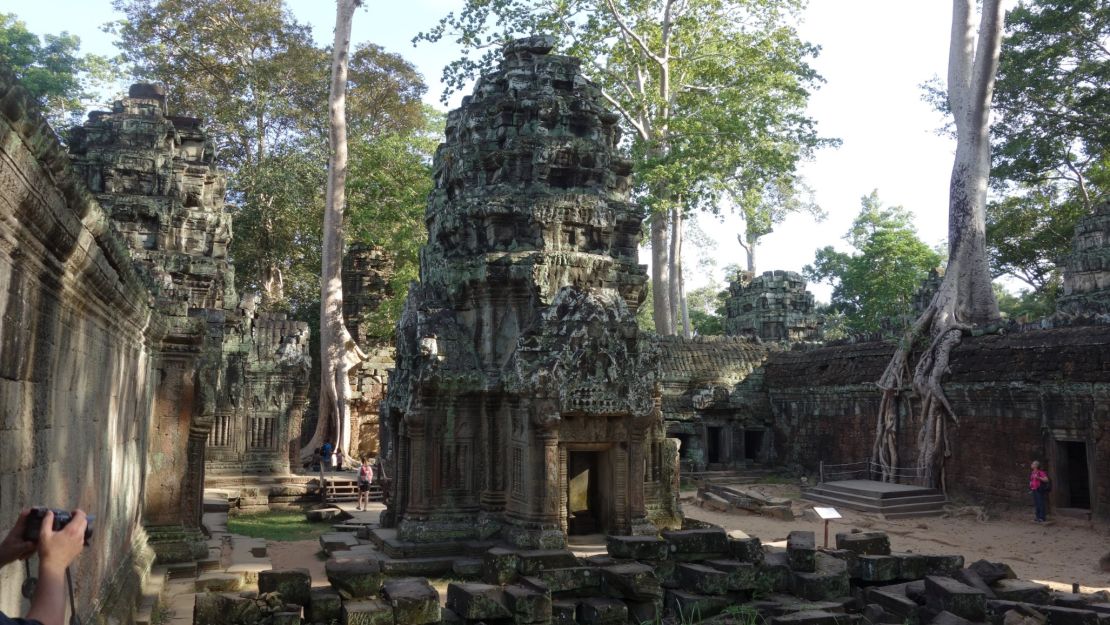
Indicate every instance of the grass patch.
{"type": "Point", "coordinates": [277, 525]}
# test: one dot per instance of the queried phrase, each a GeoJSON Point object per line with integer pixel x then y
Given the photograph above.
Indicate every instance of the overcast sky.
{"type": "Point", "coordinates": [875, 54]}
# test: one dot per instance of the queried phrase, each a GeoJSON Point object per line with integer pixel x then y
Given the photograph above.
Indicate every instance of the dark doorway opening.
{"type": "Point", "coordinates": [753, 444]}
{"type": "Point", "coordinates": [587, 490]}
{"type": "Point", "coordinates": [713, 445]}
{"type": "Point", "coordinates": [1073, 489]}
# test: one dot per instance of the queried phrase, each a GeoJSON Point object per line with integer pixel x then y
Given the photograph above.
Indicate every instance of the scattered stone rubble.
{"type": "Point", "coordinates": [691, 575]}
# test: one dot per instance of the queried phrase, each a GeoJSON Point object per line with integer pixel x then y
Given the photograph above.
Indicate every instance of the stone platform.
{"type": "Point", "coordinates": [893, 501]}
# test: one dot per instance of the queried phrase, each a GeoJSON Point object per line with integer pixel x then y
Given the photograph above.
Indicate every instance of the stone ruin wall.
{"type": "Point", "coordinates": [78, 347]}
{"type": "Point", "coordinates": [774, 306]}
{"type": "Point", "coordinates": [1015, 395]}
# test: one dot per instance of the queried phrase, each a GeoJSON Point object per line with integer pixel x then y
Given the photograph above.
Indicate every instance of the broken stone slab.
{"type": "Point", "coordinates": [711, 501]}
{"type": "Point", "coordinates": [633, 580]}
{"type": "Point", "coordinates": [367, 612]}
{"type": "Point", "coordinates": [527, 604]}
{"type": "Point", "coordinates": [532, 562]}
{"type": "Point", "coordinates": [801, 551]}
{"type": "Point", "coordinates": [320, 515]}
{"type": "Point", "coordinates": [212, 608]}
{"type": "Point", "coordinates": [702, 579]}
{"type": "Point", "coordinates": [337, 541]}
{"type": "Point", "coordinates": [579, 579]}
{"type": "Point", "coordinates": [691, 607]}
{"type": "Point", "coordinates": [898, 604]}
{"type": "Point", "coordinates": [741, 575]}
{"type": "Point", "coordinates": [563, 612]}
{"type": "Point", "coordinates": [781, 513]}
{"type": "Point", "coordinates": [745, 548]}
{"type": "Point", "coordinates": [776, 571]}
{"type": "Point", "coordinates": [472, 601]}
{"type": "Point", "coordinates": [910, 565]}
{"type": "Point", "coordinates": [467, 568]}
{"type": "Point", "coordinates": [354, 578]}
{"type": "Point", "coordinates": [991, 572]}
{"type": "Point", "coordinates": [696, 544]}
{"type": "Point", "coordinates": [324, 606]}
{"type": "Point", "coordinates": [816, 617]}
{"type": "Point", "coordinates": [1021, 590]}
{"type": "Point", "coordinates": [864, 543]}
{"type": "Point", "coordinates": [947, 618]}
{"type": "Point", "coordinates": [292, 584]}
{"type": "Point", "coordinates": [499, 566]}
{"type": "Point", "coordinates": [876, 568]}
{"type": "Point", "coordinates": [413, 599]}
{"type": "Point", "coordinates": [943, 566]}
{"type": "Point", "coordinates": [945, 593]}
{"type": "Point", "coordinates": [829, 579]}
{"type": "Point", "coordinates": [637, 547]}
{"type": "Point", "coordinates": [217, 581]}
{"type": "Point", "coordinates": [602, 560]}
{"type": "Point", "coordinates": [602, 611]}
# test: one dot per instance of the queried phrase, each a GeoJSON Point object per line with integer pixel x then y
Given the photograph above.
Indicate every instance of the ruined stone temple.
{"type": "Point", "coordinates": [524, 404]}
{"type": "Point", "coordinates": [1087, 269]}
{"type": "Point", "coordinates": [774, 306]}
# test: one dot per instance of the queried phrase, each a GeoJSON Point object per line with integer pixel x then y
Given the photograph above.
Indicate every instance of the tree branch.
{"type": "Point", "coordinates": [640, 43]}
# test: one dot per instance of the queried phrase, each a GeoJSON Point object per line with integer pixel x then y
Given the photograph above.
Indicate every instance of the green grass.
{"type": "Point", "coordinates": [279, 526]}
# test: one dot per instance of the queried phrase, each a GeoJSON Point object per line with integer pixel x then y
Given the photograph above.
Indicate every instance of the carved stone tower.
{"type": "Point", "coordinates": [524, 404]}
{"type": "Point", "coordinates": [774, 307]}
{"type": "Point", "coordinates": [1087, 275]}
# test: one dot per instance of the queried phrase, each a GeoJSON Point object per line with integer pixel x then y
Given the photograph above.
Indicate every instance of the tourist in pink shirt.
{"type": "Point", "coordinates": [1038, 482]}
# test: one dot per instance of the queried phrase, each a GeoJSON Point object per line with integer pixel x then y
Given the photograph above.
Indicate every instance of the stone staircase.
{"type": "Point", "coordinates": [893, 501]}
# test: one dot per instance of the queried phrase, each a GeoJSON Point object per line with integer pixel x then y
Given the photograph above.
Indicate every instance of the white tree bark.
{"type": "Point", "coordinates": [338, 351]}
{"type": "Point", "coordinates": [964, 301]}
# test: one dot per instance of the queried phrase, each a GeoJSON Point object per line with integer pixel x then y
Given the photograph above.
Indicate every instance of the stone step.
{"type": "Point", "coordinates": [900, 492]}
{"type": "Point", "coordinates": [181, 570]}
{"type": "Point", "coordinates": [890, 509]}
{"type": "Point", "coordinates": [874, 498]}
{"type": "Point", "coordinates": [215, 581]}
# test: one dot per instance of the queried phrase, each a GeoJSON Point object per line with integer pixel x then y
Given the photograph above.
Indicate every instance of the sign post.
{"type": "Point", "coordinates": [826, 514]}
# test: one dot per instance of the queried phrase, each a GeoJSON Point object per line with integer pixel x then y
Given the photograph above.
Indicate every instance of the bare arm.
{"type": "Point", "coordinates": [56, 551]}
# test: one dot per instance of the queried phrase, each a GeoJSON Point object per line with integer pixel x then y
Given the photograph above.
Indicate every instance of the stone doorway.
{"type": "Point", "coordinates": [713, 442]}
{"type": "Point", "coordinates": [1073, 478]}
{"type": "Point", "coordinates": [753, 445]}
{"type": "Point", "coordinates": [588, 492]}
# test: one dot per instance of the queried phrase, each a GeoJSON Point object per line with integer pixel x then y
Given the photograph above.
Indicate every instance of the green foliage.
{"type": "Point", "coordinates": [1031, 233]}
{"type": "Point", "coordinates": [279, 526]}
{"type": "Point", "coordinates": [52, 69]}
{"type": "Point", "coordinates": [1027, 306]}
{"type": "Point", "coordinates": [707, 310]}
{"type": "Point", "coordinates": [878, 280]}
{"type": "Point", "coordinates": [645, 317]}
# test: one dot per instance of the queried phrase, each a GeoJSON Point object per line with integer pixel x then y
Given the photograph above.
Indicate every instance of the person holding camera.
{"type": "Point", "coordinates": [56, 551]}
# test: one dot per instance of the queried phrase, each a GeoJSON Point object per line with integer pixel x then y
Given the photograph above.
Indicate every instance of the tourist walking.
{"type": "Point", "coordinates": [365, 477]}
{"type": "Point", "coordinates": [327, 456]}
{"type": "Point", "coordinates": [1039, 485]}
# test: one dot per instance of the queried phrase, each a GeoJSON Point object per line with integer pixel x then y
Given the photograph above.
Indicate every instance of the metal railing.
{"type": "Point", "coordinates": [869, 470]}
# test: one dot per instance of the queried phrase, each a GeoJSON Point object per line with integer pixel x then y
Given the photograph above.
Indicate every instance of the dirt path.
{"type": "Point", "coordinates": [1058, 554]}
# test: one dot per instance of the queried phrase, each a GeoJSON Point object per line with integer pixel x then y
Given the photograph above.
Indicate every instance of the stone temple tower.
{"type": "Point", "coordinates": [524, 405]}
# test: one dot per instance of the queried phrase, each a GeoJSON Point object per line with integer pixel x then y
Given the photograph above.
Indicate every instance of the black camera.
{"type": "Point", "coordinates": [33, 527]}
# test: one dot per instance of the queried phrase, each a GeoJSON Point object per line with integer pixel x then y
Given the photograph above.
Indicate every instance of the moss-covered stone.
{"type": "Point", "coordinates": [414, 600]}
{"type": "Point", "coordinates": [477, 602]}
{"type": "Point", "coordinates": [634, 581]}
{"type": "Point", "coordinates": [637, 547]}
{"type": "Point", "coordinates": [367, 612]}
{"type": "Point", "coordinates": [324, 606]}
{"type": "Point", "coordinates": [292, 584]}
{"type": "Point", "coordinates": [354, 578]}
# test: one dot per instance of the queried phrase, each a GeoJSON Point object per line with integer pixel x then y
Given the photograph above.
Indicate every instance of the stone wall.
{"type": "Point", "coordinates": [76, 364]}
{"type": "Point", "coordinates": [1018, 397]}
{"type": "Point", "coordinates": [774, 306]}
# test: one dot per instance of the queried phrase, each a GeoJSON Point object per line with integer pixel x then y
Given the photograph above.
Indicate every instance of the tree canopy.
{"type": "Point", "coordinates": [877, 281]}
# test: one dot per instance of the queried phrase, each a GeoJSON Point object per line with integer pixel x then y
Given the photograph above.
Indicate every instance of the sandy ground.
{"type": "Point", "coordinates": [1061, 553]}
{"type": "Point", "coordinates": [1058, 554]}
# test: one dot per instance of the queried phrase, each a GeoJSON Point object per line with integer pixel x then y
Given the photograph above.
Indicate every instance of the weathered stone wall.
{"type": "Point", "coordinates": [774, 306]}
{"type": "Point", "coordinates": [76, 379]}
{"type": "Point", "coordinates": [1016, 395]}
{"type": "Point", "coordinates": [1087, 274]}
{"type": "Point", "coordinates": [367, 270]}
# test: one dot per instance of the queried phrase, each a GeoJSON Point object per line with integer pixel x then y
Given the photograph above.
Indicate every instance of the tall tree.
{"type": "Point", "coordinates": [877, 282]}
{"type": "Point", "coordinates": [712, 93]}
{"type": "Point", "coordinates": [965, 301]}
{"type": "Point", "coordinates": [765, 208]}
{"type": "Point", "coordinates": [338, 351]}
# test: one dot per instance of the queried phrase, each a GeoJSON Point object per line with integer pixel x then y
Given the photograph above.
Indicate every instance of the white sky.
{"type": "Point", "coordinates": [874, 55]}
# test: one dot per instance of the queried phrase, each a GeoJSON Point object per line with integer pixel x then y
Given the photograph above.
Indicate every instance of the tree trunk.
{"type": "Point", "coordinates": [273, 285]}
{"type": "Point", "coordinates": [965, 301]}
{"type": "Point", "coordinates": [337, 349]}
{"type": "Point", "coordinates": [747, 243]}
{"type": "Point", "coordinates": [660, 274]}
{"type": "Point", "coordinates": [676, 268]}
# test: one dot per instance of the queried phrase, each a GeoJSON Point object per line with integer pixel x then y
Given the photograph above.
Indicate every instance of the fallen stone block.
{"type": "Point", "coordinates": [1021, 590]}
{"type": "Point", "coordinates": [1023, 615]}
{"type": "Point", "coordinates": [633, 581]}
{"type": "Point", "coordinates": [876, 568]}
{"type": "Point", "coordinates": [527, 604]}
{"type": "Point", "coordinates": [801, 551]}
{"type": "Point", "coordinates": [499, 566]}
{"type": "Point", "coordinates": [210, 608]}
{"type": "Point", "coordinates": [418, 567]}
{"type": "Point", "coordinates": [332, 542]}
{"type": "Point", "coordinates": [971, 578]}
{"type": "Point", "coordinates": [354, 578]}
{"type": "Point", "coordinates": [788, 604]}
{"type": "Point", "coordinates": [829, 579]}
{"type": "Point", "coordinates": [991, 572]}
{"type": "Point", "coordinates": [897, 604]}
{"type": "Point", "coordinates": [467, 568]}
{"type": "Point", "coordinates": [714, 502]}
{"type": "Point", "coordinates": [477, 602]}
{"type": "Point", "coordinates": [216, 581]}
{"type": "Point", "coordinates": [602, 560]}
{"type": "Point", "coordinates": [286, 618]}
{"type": "Point", "coordinates": [637, 547]}
{"type": "Point", "coordinates": [746, 549]}
{"type": "Point", "coordinates": [563, 612]}
{"type": "Point", "coordinates": [324, 606]}
{"type": "Point", "coordinates": [292, 584]}
{"type": "Point", "coordinates": [532, 562]}
{"type": "Point", "coordinates": [864, 543]}
{"type": "Point", "coordinates": [702, 579]}
{"type": "Point", "coordinates": [780, 513]}
{"type": "Point", "coordinates": [698, 544]}
{"type": "Point", "coordinates": [414, 600]}
{"type": "Point", "coordinates": [367, 612]}
{"type": "Point", "coordinates": [776, 571]}
{"type": "Point", "coordinates": [815, 617]}
{"type": "Point", "coordinates": [640, 612]}
{"type": "Point", "coordinates": [580, 579]}
{"type": "Point", "coordinates": [448, 617]}
{"type": "Point", "coordinates": [944, 566]}
{"type": "Point", "coordinates": [741, 575]}
{"type": "Point", "coordinates": [691, 607]}
{"type": "Point", "coordinates": [947, 618]}
{"type": "Point", "coordinates": [321, 515]}
{"type": "Point", "coordinates": [599, 611]}
{"type": "Point", "coordinates": [910, 565]}
{"type": "Point", "coordinates": [1071, 616]}
{"type": "Point", "coordinates": [947, 594]}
